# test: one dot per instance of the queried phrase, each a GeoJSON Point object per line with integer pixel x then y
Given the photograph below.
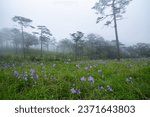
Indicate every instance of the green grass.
{"type": "Point", "coordinates": [57, 82]}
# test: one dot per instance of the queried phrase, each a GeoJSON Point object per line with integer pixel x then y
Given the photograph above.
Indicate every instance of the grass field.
{"type": "Point", "coordinates": [61, 80]}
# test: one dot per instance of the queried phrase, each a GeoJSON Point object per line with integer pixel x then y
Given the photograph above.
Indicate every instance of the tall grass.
{"type": "Point", "coordinates": [61, 79]}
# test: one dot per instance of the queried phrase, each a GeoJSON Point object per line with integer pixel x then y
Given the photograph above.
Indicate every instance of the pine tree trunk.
{"type": "Point", "coordinates": [116, 32]}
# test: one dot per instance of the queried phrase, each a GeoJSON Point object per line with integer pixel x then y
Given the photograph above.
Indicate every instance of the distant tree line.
{"type": "Point", "coordinates": [94, 46]}
{"type": "Point", "coordinates": [79, 45]}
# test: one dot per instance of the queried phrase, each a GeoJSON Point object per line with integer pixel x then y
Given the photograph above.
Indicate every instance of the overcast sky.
{"type": "Point", "coordinates": [68, 16]}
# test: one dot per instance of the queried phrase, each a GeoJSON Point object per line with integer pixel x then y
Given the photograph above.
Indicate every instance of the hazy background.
{"type": "Point", "coordinates": [67, 16]}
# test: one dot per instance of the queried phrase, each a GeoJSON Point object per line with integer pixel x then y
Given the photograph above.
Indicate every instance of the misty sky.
{"type": "Point", "coordinates": [68, 16]}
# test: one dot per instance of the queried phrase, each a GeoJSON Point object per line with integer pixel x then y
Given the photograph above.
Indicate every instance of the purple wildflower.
{"type": "Point", "coordinates": [91, 79]}
{"type": "Point", "coordinates": [25, 78]}
{"type": "Point", "coordinates": [102, 88]}
{"type": "Point", "coordinates": [32, 71]}
{"type": "Point", "coordinates": [86, 68]}
{"type": "Point", "coordinates": [42, 65]}
{"type": "Point", "coordinates": [83, 79]}
{"type": "Point", "coordinates": [33, 74]}
{"type": "Point", "coordinates": [109, 88]}
{"type": "Point", "coordinates": [13, 65]}
{"type": "Point", "coordinates": [25, 75]}
{"type": "Point", "coordinates": [73, 91]}
{"type": "Point", "coordinates": [16, 73]}
{"type": "Point", "coordinates": [78, 91]}
{"type": "Point", "coordinates": [36, 76]}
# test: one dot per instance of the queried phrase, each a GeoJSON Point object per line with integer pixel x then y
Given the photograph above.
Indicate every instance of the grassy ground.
{"type": "Point", "coordinates": [127, 79]}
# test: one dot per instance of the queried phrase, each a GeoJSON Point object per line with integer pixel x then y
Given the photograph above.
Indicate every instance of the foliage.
{"type": "Point", "coordinates": [25, 22]}
{"type": "Point", "coordinates": [105, 9]}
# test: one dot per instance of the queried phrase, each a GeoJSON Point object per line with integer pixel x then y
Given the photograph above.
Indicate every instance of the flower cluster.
{"type": "Point", "coordinates": [42, 65]}
{"type": "Point", "coordinates": [83, 78]}
{"type": "Point", "coordinates": [75, 91]}
{"type": "Point", "coordinates": [109, 88]}
{"type": "Point", "coordinates": [102, 88]}
{"type": "Point", "coordinates": [43, 70]}
{"type": "Point", "coordinates": [16, 73]}
{"type": "Point", "coordinates": [33, 74]}
{"type": "Point", "coordinates": [90, 79]}
{"type": "Point", "coordinates": [25, 75]}
{"type": "Point", "coordinates": [86, 68]}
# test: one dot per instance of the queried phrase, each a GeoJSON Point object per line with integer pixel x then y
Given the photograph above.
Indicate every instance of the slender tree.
{"type": "Point", "coordinates": [77, 38]}
{"type": "Point", "coordinates": [44, 36]}
{"type": "Point", "coordinates": [50, 42]}
{"type": "Point", "coordinates": [16, 35]}
{"type": "Point", "coordinates": [112, 10]}
{"type": "Point", "coordinates": [5, 35]}
{"type": "Point", "coordinates": [23, 22]}
{"type": "Point", "coordinates": [30, 40]}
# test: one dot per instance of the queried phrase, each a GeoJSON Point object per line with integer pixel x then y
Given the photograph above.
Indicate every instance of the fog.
{"type": "Point", "coordinates": [67, 16]}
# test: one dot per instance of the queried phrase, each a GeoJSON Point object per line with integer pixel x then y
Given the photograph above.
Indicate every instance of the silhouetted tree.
{"type": "Point", "coordinates": [111, 10]}
{"type": "Point", "coordinates": [50, 42]}
{"type": "Point", "coordinates": [65, 45]}
{"type": "Point", "coordinates": [95, 44]}
{"type": "Point", "coordinates": [5, 37]}
{"type": "Point", "coordinates": [143, 49]}
{"type": "Point", "coordinates": [30, 40]}
{"type": "Point", "coordinates": [44, 36]}
{"type": "Point", "coordinates": [16, 35]}
{"type": "Point", "coordinates": [77, 38]}
{"type": "Point", "coordinates": [23, 22]}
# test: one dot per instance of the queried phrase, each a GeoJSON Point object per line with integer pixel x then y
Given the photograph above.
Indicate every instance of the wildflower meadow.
{"type": "Point", "coordinates": [128, 79]}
